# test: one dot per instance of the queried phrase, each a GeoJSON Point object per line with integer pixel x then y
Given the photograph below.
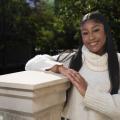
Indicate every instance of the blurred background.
{"type": "Point", "coordinates": [31, 27]}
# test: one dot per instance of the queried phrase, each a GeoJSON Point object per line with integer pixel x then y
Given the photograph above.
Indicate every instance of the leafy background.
{"type": "Point", "coordinates": [50, 27]}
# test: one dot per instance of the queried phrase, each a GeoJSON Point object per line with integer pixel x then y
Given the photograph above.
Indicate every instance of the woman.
{"type": "Point", "coordinates": [93, 72]}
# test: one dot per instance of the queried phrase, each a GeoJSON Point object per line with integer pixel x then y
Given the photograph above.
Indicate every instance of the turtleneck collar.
{"type": "Point", "coordinates": [93, 61]}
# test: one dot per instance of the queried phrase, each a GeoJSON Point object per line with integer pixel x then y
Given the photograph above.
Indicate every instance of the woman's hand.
{"type": "Point", "coordinates": [75, 78]}
{"type": "Point", "coordinates": [55, 68]}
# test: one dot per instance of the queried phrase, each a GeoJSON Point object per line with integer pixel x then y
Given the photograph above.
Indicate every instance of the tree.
{"type": "Point", "coordinates": [17, 33]}
{"type": "Point", "coordinates": [71, 12]}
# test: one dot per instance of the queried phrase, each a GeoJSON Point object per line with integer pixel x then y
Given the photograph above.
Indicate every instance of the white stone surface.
{"type": "Point", "coordinates": [30, 79]}
{"type": "Point", "coordinates": [1, 117]}
{"type": "Point", "coordinates": [32, 95]}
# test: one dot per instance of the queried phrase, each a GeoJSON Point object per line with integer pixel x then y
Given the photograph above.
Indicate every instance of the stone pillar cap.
{"type": "Point", "coordinates": [30, 80]}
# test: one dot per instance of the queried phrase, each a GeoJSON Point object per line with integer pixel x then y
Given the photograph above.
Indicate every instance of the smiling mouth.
{"type": "Point", "coordinates": [93, 43]}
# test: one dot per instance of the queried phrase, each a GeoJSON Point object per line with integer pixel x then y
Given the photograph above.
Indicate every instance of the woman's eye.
{"type": "Point", "coordinates": [96, 30]}
{"type": "Point", "coordinates": [84, 33]}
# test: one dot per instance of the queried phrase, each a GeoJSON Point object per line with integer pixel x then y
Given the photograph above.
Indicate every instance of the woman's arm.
{"type": "Point", "coordinates": [46, 62]}
{"type": "Point", "coordinates": [42, 62]}
{"type": "Point", "coordinates": [103, 102]}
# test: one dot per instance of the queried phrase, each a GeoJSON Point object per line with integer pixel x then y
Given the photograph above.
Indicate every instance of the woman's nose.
{"type": "Point", "coordinates": [91, 37]}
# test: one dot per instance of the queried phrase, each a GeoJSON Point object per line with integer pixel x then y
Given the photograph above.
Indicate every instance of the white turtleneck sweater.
{"type": "Point", "coordinates": [98, 103]}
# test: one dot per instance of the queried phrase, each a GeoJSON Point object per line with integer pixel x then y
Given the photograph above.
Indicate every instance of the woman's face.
{"type": "Point", "coordinates": [93, 36]}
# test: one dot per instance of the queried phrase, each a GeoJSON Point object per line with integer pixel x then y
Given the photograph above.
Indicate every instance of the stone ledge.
{"type": "Point", "coordinates": [30, 95]}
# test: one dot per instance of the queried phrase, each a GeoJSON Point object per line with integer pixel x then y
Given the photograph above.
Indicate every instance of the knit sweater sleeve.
{"type": "Point", "coordinates": [45, 61]}
{"type": "Point", "coordinates": [42, 62]}
{"type": "Point", "coordinates": [103, 102]}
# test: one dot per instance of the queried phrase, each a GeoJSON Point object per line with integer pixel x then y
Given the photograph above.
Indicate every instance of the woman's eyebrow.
{"type": "Point", "coordinates": [98, 25]}
{"type": "Point", "coordinates": [84, 29]}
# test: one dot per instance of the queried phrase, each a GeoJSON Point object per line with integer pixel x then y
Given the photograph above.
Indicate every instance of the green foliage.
{"type": "Point", "coordinates": [51, 27]}
{"type": "Point", "coordinates": [50, 33]}
{"type": "Point", "coordinates": [71, 12]}
{"type": "Point", "coordinates": [17, 22]}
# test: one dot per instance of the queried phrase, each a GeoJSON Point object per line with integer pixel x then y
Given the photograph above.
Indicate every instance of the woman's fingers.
{"type": "Point", "coordinates": [77, 80]}
{"type": "Point", "coordinates": [74, 81]}
{"type": "Point", "coordinates": [76, 76]}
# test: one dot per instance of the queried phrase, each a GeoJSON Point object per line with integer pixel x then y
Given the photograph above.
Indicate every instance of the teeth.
{"type": "Point", "coordinates": [94, 43]}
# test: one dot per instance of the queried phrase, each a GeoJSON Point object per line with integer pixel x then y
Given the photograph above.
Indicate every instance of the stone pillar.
{"type": "Point", "coordinates": [32, 95]}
